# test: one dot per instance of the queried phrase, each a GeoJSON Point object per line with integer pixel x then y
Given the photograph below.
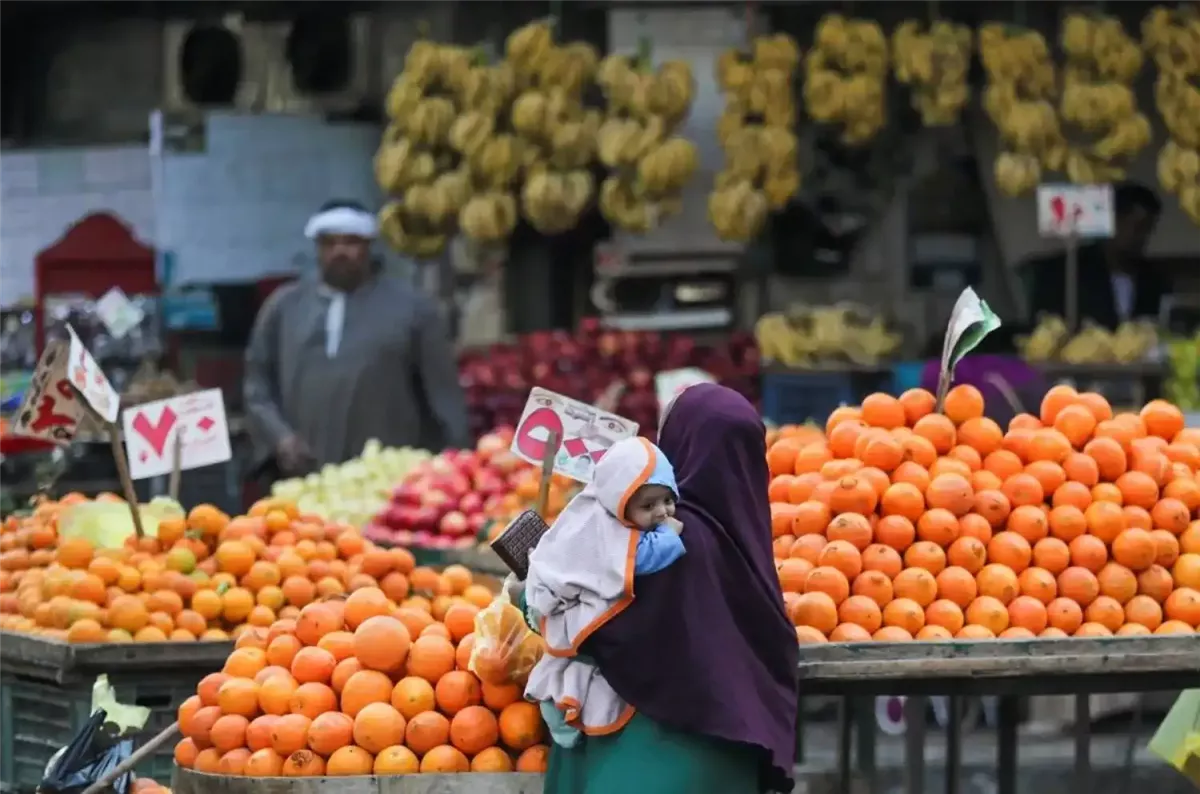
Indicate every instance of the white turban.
{"type": "Point", "coordinates": [342, 220]}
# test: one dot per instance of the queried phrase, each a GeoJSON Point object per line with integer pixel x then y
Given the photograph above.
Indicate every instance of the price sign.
{"type": "Point", "coordinates": [586, 432]}
{"type": "Point", "coordinates": [197, 419]}
{"type": "Point", "coordinates": [90, 381]}
{"type": "Point", "coordinates": [51, 409]}
{"type": "Point", "coordinates": [668, 385]}
{"type": "Point", "coordinates": [1082, 211]}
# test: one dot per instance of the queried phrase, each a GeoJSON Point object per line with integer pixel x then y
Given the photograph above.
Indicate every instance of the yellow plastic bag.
{"type": "Point", "coordinates": [1177, 740]}
{"type": "Point", "coordinates": [505, 649]}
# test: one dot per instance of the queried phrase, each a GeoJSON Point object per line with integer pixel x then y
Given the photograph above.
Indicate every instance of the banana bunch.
{"type": "Point", "coordinates": [665, 169]}
{"type": "Point", "coordinates": [805, 337]}
{"type": "Point", "coordinates": [486, 89]}
{"type": "Point", "coordinates": [623, 206]}
{"type": "Point", "coordinates": [1172, 37]}
{"type": "Point", "coordinates": [404, 232]}
{"type": "Point", "coordinates": [554, 200]}
{"type": "Point", "coordinates": [631, 89]}
{"type": "Point", "coordinates": [934, 63]}
{"type": "Point", "coordinates": [755, 130]}
{"type": "Point", "coordinates": [1021, 81]}
{"type": "Point", "coordinates": [846, 80]}
{"type": "Point", "coordinates": [1102, 63]}
{"type": "Point", "coordinates": [1182, 385]}
{"type": "Point", "coordinates": [399, 163]}
{"type": "Point", "coordinates": [1050, 341]}
{"type": "Point", "coordinates": [489, 216]}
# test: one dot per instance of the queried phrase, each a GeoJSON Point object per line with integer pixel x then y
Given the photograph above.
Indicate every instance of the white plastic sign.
{"type": "Point", "coordinates": [584, 431]}
{"type": "Point", "coordinates": [119, 314]}
{"type": "Point", "coordinates": [668, 385]}
{"type": "Point", "coordinates": [199, 421]}
{"type": "Point", "coordinates": [1081, 211]}
{"type": "Point", "coordinates": [90, 381]}
{"type": "Point", "coordinates": [51, 409]}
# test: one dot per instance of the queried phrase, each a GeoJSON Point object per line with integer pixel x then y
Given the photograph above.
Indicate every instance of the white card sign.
{"type": "Point", "coordinates": [51, 409]}
{"type": "Point", "coordinates": [197, 419]}
{"type": "Point", "coordinates": [668, 385]}
{"type": "Point", "coordinates": [119, 314]}
{"type": "Point", "coordinates": [90, 381]}
{"type": "Point", "coordinates": [1082, 211]}
{"type": "Point", "coordinates": [584, 431]}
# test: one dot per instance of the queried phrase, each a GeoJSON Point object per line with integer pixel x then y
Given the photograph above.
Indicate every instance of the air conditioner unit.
{"type": "Point", "coordinates": [212, 63]}
{"type": "Point", "coordinates": [318, 63]}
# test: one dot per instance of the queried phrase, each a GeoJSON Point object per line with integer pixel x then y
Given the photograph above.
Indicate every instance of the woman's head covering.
{"type": "Point", "coordinates": [590, 549]}
{"type": "Point", "coordinates": [706, 646]}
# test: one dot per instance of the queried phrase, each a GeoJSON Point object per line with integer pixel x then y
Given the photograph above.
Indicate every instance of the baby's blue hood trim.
{"type": "Point", "coordinates": [664, 473]}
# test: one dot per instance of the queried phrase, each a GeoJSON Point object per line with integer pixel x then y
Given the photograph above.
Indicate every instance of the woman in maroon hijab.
{"type": "Point", "coordinates": [705, 653]}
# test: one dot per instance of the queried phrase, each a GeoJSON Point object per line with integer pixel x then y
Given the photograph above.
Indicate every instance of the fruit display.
{"type": "Point", "coordinates": [584, 364]}
{"type": "Point", "coordinates": [1050, 340]}
{"type": "Point", "coordinates": [845, 80]}
{"type": "Point", "coordinates": [1102, 62]}
{"type": "Point", "coordinates": [1021, 86]}
{"type": "Point", "coordinates": [648, 163]}
{"type": "Point", "coordinates": [1172, 38]}
{"type": "Point", "coordinates": [899, 523]}
{"type": "Point", "coordinates": [447, 501]}
{"type": "Point", "coordinates": [756, 131]}
{"type": "Point", "coordinates": [1182, 385]}
{"type": "Point", "coordinates": [806, 337]}
{"type": "Point", "coordinates": [354, 491]}
{"type": "Point", "coordinates": [375, 684]}
{"type": "Point", "coordinates": [556, 131]}
{"type": "Point", "coordinates": [206, 576]}
{"type": "Point", "coordinates": [933, 61]}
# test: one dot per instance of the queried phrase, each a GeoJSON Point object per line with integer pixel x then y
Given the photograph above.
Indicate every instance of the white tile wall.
{"type": "Point", "coordinates": [232, 213]}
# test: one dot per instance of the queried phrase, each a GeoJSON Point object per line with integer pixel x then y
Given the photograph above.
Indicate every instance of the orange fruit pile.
{"type": "Point", "coordinates": [900, 523]}
{"type": "Point", "coordinates": [359, 686]}
{"type": "Point", "coordinates": [205, 577]}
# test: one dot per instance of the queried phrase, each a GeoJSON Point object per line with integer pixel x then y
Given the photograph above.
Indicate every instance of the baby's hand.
{"type": "Point", "coordinates": [674, 524]}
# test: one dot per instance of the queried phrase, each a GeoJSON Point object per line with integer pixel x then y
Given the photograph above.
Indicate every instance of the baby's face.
{"type": "Point", "coordinates": [650, 506]}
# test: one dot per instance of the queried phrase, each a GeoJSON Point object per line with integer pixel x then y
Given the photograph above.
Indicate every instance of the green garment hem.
{"type": "Point", "coordinates": [647, 758]}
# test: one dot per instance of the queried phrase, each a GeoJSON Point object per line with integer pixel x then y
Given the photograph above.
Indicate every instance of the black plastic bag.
{"type": "Point", "coordinates": [90, 756]}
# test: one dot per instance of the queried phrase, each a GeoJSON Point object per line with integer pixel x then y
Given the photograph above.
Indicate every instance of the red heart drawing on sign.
{"type": "Point", "coordinates": [155, 434]}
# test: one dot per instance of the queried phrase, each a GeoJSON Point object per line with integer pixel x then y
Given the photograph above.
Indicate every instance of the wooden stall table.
{"type": "Point", "coordinates": [187, 781]}
{"type": "Point", "coordinates": [1009, 669]}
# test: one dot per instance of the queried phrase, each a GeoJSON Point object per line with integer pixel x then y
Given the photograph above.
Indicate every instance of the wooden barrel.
{"type": "Point", "coordinates": [185, 781]}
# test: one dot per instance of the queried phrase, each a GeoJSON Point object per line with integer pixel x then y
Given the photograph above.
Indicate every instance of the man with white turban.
{"type": "Point", "coordinates": [346, 356]}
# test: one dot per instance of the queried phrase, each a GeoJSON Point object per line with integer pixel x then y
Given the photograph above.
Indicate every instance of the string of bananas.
{"type": "Point", "coordinates": [558, 134]}
{"type": "Point", "coordinates": [1021, 84]}
{"type": "Point", "coordinates": [1050, 340]}
{"type": "Point", "coordinates": [805, 337]}
{"type": "Point", "coordinates": [846, 78]}
{"type": "Point", "coordinates": [1102, 64]}
{"type": "Point", "coordinates": [648, 164]}
{"type": "Point", "coordinates": [1172, 38]}
{"type": "Point", "coordinates": [933, 62]}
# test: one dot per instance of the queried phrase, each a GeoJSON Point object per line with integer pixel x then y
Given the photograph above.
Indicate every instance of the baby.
{"type": "Point", "coordinates": [582, 574]}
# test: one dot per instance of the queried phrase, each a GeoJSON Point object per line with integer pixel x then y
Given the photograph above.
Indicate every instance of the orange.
{"type": "Point", "coordinates": [859, 610]}
{"type": "Point", "coordinates": [938, 525]}
{"type": "Point", "coordinates": [956, 585]}
{"type": "Point", "coordinates": [1030, 522]}
{"type": "Point", "coordinates": [1183, 605]}
{"type": "Point", "coordinates": [896, 532]}
{"type": "Point", "coordinates": [944, 614]}
{"type": "Point", "coordinates": [828, 580]}
{"type": "Point", "coordinates": [1089, 552]}
{"type": "Point", "coordinates": [989, 613]}
{"type": "Point", "coordinates": [1027, 612]}
{"type": "Point", "coordinates": [904, 613]}
{"type": "Point", "coordinates": [1186, 571]}
{"type": "Point", "coordinates": [1079, 585]}
{"type": "Point", "coordinates": [883, 558]}
{"type": "Point", "coordinates": [916, 584]}
{"type": "Point", "coordinates": [876, 585]}
{"type": "Point", "coordinates": [1065, 615]}
{"type": "Point", "coordinates": [818, 610]}
{"type": "Point", "coordinates": [1011, 550]}
{"type": "Point", "coordinates": [1144, 611]}
{"type": "Point", "coordinates": [969, 553]}
{"type": "Point", "coordinates": [998, 581]}
{"type": "Point", "coordinates": [396, 760]}
{"type": "Point", "coordinates": [1038, 583]}
{"type": "Point", "coordinates": [1105, 611]}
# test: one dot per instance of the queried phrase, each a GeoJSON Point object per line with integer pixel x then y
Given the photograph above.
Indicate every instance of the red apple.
{"type": "Point", "coordinates": [471, 503]}
{"type": "Point", "coordinates": [454, 523]}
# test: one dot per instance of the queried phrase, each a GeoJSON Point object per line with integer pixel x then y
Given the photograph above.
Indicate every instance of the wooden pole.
{"type": "Point", "coordinates": [134, 759]}
{"type": "Point", "coordinates": [118, 451]}
{"type": "Point", "coordinates": [176, 467]}
{"type": "Point", "coordinates": [1072, 285]}
{"type": "Point", "coordinates": [547, 474]}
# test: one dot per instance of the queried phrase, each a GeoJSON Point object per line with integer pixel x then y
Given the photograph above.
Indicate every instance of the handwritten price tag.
{"type": "Point", "coordinates": [90, 381]}
{"type": "Point", "coordinates": [1084, 211]}
{"type": "Point", "coordinates": [51, 409]}
{"type": "Point", "coordinates": [198, 419]}
{"type": "Point", "coordinates": [586, 432]}
{"type": "Point", "coordinates": [668, 385]}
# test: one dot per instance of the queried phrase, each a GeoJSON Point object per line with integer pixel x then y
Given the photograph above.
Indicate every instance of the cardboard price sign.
{"type": "Point", "coordinates": [197, 420]}
{"type": "Point", "coordinates": [1083, 211]}
{"type": "Point", "coordinates": [585, 433]}
{"type": "Point", "coordinates": [91, 382]}
{"type": "Point", "coordinates": [51, 409]}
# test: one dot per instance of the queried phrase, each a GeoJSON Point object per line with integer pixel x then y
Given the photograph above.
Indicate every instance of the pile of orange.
{"type": "Point", "coordinates": [356, 687]}
{"type": "Point", "coordinates": [898, 523]}
{"type": "Point", "coordinates": [204, 577]}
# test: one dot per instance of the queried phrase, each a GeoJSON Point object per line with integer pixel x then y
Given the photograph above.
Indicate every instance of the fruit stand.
{"type": "Point", "coordinates": [1009, 669]}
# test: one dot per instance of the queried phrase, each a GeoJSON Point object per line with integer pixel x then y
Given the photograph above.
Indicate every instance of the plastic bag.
{"type": "Point", "coordinates": [505, 648]}
{"type": "Point", "coordinates": [1177, 740]}
{"type": "Point", "coordinates": [87, 758]}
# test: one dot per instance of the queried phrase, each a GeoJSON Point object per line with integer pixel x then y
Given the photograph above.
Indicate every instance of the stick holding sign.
{"type": "Point", "coordinates": [176, 468]}
{"type": "Point", "coordinates": [118, 451]}
{"type": "Point", "coordinates": [543, 498]}
{"type": "Point", "coordinates": [970, 321]}
{"type": "Point", "coordinates": [1072, 213]}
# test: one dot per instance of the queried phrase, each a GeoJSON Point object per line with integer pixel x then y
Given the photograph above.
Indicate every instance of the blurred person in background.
{"type": "Point", "coordinates": [1116, 283]}
{"type": "Point", "coordinates": [346, 356]}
